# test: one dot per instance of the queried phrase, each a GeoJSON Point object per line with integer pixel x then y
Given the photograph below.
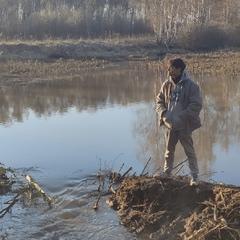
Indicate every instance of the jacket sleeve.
{"type": "Point", "coordinates": [193, 104]}
{"type": "Point", "coordinates": [161, 102]}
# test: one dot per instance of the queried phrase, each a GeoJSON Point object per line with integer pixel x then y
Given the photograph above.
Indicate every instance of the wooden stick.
{"type": "Point", "coordinates": [223, 199]}
{"type": "Point", "coordinates": [120, 168]}
{"type": "Point", "coordinates": [215, 212]}
{"type": "Point", "coordinates": [130, 169]}
{"type": "Point", "coordinates": [98, 199]}
{"type": "Point", "coordinates": [157, 170]}
{"type": "Point", "coordinates": [200, 234]}
{"type": "Point", "coordinates": [181, 163]}
{"type": "Point", "coordinates": [38, 188]}
{"type": "Point", "coordinates": [145, 166]}
{"type": "Point", "coordinates": [212, 230]}
{"type": "Point", "coordinates": [178, 170]}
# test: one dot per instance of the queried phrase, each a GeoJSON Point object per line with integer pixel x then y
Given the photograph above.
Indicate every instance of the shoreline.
{"type": "Point", "coordinates": [24, 63]}
{"type": "Point", "coordinates": [159, 209]}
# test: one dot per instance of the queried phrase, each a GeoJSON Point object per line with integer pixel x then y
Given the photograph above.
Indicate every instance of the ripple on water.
{"type": "Point", "coordinates": [71, 217]}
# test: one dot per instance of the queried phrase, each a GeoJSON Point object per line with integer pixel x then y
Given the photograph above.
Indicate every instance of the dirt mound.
{"type": "Point", "coordinates": [171, 209]}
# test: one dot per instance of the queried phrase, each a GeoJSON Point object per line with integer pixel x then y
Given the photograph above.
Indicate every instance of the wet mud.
{"type": "Point", "coordinates": [172, 209]}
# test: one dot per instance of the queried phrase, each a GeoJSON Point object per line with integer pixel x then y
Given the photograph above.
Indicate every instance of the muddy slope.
{"type": "Point", "coordinates": [171, 209]}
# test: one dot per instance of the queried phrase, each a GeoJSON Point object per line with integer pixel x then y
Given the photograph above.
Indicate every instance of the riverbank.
{"type": "Point", "coordinates": [82, 50]}
{"type": "Point", "coordinates": [33, 62]}
{"type": "Point", "coordinates": [172, 209]}
{"type": "Point", "coordinates": [152, 208]}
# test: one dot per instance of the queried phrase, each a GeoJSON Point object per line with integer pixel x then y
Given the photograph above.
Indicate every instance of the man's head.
{"type": "Point", "coordinates": [175, 67]}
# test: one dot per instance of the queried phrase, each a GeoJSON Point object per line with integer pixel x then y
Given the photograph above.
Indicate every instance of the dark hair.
{"type": "Point", "coordinates": [177, 63]}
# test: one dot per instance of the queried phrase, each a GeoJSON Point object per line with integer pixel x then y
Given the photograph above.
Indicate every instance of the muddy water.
{"type": "Point", "coordinates": [63, 132]}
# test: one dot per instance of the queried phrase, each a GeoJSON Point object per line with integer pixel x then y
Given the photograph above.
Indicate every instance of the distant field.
{"type": "Point", "coordinates": [27, 62]}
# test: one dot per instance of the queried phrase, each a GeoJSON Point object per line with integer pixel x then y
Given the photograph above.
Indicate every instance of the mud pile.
{"type": "Point", "coordinates": [171, 209]}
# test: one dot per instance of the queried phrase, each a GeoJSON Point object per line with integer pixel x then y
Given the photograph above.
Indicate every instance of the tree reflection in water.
{"type": "Point", "coordinates": [126, 85]}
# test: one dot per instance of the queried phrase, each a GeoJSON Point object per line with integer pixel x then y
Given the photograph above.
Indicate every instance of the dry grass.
{"type": "Point", "coordinates": [23, 72]}
{"type": "Point", "coordinates": [34, 61]}
{"type": "Point", "coordinates": [113, 39]}
{"type": "Point", "coordinates": [214, 63]}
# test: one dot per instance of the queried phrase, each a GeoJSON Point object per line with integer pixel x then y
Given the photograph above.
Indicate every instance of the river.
{"type": "Point", "coordinates": [62, 133]}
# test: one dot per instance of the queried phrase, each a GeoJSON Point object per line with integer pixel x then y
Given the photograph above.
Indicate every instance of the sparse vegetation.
{"type": "Point", "coordinates": [49, 40]}
{"type": "Point", "coordinates": [197, 25]}
{"type": "Point", "coordinates": [205, 38]}
{"type": "Point", "coordinates": [32, 62]}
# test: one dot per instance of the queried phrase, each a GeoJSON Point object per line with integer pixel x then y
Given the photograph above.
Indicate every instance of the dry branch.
{"type": "Point", "coordinates": [145, 166]}
{"type": "Point", "coordinates": [180, 163]}
{"type": "Point", "coordinates": [4, 211]}
{"type": "Point", "coordinates": [39, 189]}
{"type": "Point", "coordinates": [123, 176]}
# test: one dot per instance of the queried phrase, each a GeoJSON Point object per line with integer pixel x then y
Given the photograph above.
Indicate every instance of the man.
{"type": "Point", "coordinates": [178, 106]}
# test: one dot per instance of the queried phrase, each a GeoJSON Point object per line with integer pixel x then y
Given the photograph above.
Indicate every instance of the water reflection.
{"type": "Point", "coordinates": [99, 96]}
{"type": "Point", "coordinates": [88, 92]}
{"type": "Point", "coordinates": [220, 118]}
{"type": "Point", "coordinates": [107, 117]}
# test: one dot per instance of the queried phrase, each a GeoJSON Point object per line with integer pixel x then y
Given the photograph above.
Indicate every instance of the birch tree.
{"type": "Point", "coordinates": [170, 17]}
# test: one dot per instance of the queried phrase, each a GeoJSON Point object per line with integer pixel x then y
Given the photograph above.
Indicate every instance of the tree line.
{"type": "Point", "coordinates": [184, 23]}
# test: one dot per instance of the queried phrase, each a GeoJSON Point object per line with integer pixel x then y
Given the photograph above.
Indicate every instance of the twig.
{"type": "Point", "coordinates": [9, 207]}
{"type": "Point", "coordinates": [223, 199]}
{"type": "Point", "coordinates": [116, 159]}
{"type": "Point", "coordinates": [113, 191]}
{"type": "Point", "coordinates": [163, 188]}
{"type": "Point", "coordinates": [199, 233]}
{"type": "Point", "coordinates": [130, 169]}
{"type": "Point", "coordinates": [157, 170]}
{"type": "Point", "coordinates": [145, 166]}
{"type": "Point", "coordinates": [219, 226]}
{"type": "Point", "coordinates": [120, 168]}
{"type": "Point", "coordinates": [101, 181]}
{"type": "Point", "coordinates": [96, 203]}
{"type": "Point", "coordinates": [178, 170]}
{"type": "Point", "coordinates": [215, 212]}
{"type": "Point", "coordinates": [110, 188]}
{"type": "Point", "coordinates": [233, 230]}
{"type": "Point", "coordinates": [98, 199]}
{"type": "Point", "coordinates": [181, 163]}
{"type": "Point", "coordinates": [232, 210]}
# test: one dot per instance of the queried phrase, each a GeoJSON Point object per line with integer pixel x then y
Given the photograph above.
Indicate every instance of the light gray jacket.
{"type": "Point", "coordinates": [179, 105]}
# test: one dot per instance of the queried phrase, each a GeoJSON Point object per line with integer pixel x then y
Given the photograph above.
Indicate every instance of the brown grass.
{"type": "Point", "coordinates": [34, 61]}
{"type": "Point", "coordinates": [214, 63]}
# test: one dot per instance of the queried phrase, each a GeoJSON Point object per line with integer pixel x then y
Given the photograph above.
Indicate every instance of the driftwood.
{"type": "Point", "coordinates": [26, 189]}
{"type": "Point", "coordinates": [39, 189]}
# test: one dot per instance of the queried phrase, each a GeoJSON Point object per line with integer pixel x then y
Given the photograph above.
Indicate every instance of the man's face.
{"type": "Point", "coordinates": [173, 72]}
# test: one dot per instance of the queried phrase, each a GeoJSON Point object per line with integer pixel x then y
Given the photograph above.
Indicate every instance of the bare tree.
{"type": "Point", "coordinates": [94, 18]}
